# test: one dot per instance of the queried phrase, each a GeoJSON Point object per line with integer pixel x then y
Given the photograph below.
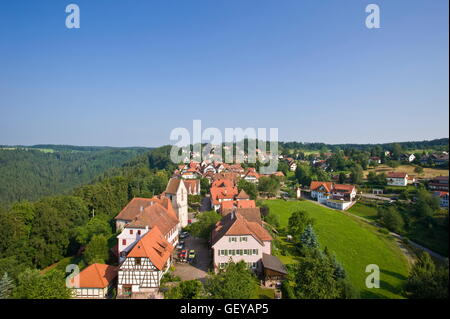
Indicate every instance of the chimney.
{"type": "Point", "coordinates": [141, 208]}
{"type": "Point", "coordinates": [232, 214]}
{"type": "Point", "coordinates": [146, 228]}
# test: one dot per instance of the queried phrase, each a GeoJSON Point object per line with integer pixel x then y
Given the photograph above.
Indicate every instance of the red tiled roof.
{"type": "Point", "coordinates": [249, 203]}
{"type": "Point", "coordinates": [133, 208]}
{"type": "Point", "coordinates": [218, 193]}
{"type": "Point", "coordinates": [155, 215]}
{"type": "Point", "coordinates": [396, 175]}
{"type": "Point", "coordinates": [222, 183]}
{"type": "Point", "coordinates": [242, 195]}
{"type": "Point", "coordinates": [95, 276]}
{"type": "Point", "coordinates": [236, 225]}
{"type": "Point", "coordinates": [344, 188]}
{"type": "Point", "coordinates": [316, 184]}
{"type": "Point", "coordinates": [153, 246]}
{"type": "Point", "coordinates": [172, 186]}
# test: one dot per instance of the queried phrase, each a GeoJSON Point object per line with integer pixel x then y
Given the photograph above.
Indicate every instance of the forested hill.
{"type": "Point", "coordinates": [29, 173]}
{"type": "Point", "coordinates": [441, 144]}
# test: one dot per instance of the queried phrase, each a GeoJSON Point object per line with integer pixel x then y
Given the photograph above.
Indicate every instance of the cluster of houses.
{"type": "Point", "coordinates": [192, 171]}
{"type": "Point", "coordinates": [149, 231]}
{"type": "Point", "coordinates": [240, 235]}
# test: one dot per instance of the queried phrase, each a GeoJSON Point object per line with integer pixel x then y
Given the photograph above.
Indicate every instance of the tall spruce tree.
{"type": "Point", "coordinates": [6, 286]}
{"type": "Point", "coordinates": [308, 238]}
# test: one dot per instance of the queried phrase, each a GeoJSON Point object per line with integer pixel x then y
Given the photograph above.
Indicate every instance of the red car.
{"type": "Point", "coordinates": [182, 254]}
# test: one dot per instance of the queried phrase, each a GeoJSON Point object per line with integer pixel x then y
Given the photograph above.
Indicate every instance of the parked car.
{"type": "Point", "coordinates": [184, 234]}
{"type": "Point", "coordinates": [180, 245]}
{"type": "Point", "coordinates": [182, 254]}
{"type": "Point", "coordinates": [191, 255]}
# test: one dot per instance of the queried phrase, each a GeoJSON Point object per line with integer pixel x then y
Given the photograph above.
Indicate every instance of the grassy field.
{"type": "Point", "coordinates": [356, 245]}
{"type": "Point", "coordinates": [427, 172]}
{"type": "Point", "coordinates": [264, 293]}
{"type": "Point", "coordinates": [364, 211]}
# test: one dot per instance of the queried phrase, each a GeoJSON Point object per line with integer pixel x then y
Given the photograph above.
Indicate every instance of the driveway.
{"type": "Point", "coordinates": [199, 268]}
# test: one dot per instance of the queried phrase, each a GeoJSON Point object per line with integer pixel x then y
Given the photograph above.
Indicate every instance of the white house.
{"type": "Point", "coordinates": [397, 179]}
{"type": "Point", "coordinates": [408, 157]}
{"type": "Point", "coordinates": [235, 238]}
{"type": "Point", "coordinates": [337, 196]}
{"type": "Point", "coordinates": [176, 191]}
{"type": "Point", "coordinates": [135, 220]}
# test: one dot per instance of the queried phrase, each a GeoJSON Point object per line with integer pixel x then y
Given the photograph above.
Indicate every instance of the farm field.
{"type": "Point", "coordinates": [427, 172]}
{"type": "Point", "coordinates": [355, 244]}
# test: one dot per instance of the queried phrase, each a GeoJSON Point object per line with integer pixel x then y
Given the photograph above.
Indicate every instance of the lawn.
{"type": "Point", "coordinates": [364, 211]}
{"type": "Point", "coordinates": [355, 244]}
{"type": "Point", "coordinates": [264, 293]}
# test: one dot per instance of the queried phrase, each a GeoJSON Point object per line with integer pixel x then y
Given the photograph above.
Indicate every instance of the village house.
{"type": "Point", "coordinates": [337, 196]}
{"type": "Point", "coordinates": [222, 194]}
{"type": "Point", "coordinates": [96, 281]}
{"type": "Point", "coordinates": [176, 191]}
{"type": "Point", "coordinates": [408, 157]}
{"type": "Point", "coordinates": [234, 238]}
{"type": "Point", "coordinates": [397, 179]}
{"type": "Point", "coordinates": [443, 198]}
{"type": "Point", "coordinates": [139, 217]}
{"type": "Point", "coordinates": [251, 175]}
{"type": "Point", "coordinates": [141, 272]}
{"type": "Point", "coordinates": [375, 159]}
{"type": "Point", "coordinates": [439, 183]}
{"type": "Point", "coordinates": [292, 164]}
{"type": "Point", "coordinates": [438, 159]}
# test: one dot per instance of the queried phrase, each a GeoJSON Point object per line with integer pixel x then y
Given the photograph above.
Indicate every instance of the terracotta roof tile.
{"type": "Point", "coordinates": [96, 276]}
{"type": "Point", "coordinates": [153, 246]}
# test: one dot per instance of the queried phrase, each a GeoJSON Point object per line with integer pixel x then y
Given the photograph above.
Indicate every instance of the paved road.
{"type": "Point", "coordinates": [199, 268]}
{"type": "Point", "coordinates": [373, 196]}
{"type": "Point", "coordinates": [205, 204]}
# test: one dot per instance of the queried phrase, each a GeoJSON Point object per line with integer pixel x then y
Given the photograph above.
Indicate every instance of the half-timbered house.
{"type": "Point", "coordinates": [145, 264]}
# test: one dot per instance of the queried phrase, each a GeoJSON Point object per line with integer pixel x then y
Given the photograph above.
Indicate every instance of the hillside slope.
{"type": "Point", "coordinates": [32, 172]}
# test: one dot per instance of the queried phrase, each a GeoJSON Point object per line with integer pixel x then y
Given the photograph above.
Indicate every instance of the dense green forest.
{"type": "Point", "coordinates": [34, 235]}
{"type": "Point", "coordinates": [437, 144]}
{"type": "Point", "coordinates": [29, 173]}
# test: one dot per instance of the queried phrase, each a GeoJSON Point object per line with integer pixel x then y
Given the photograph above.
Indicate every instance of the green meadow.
{"type": "Point", "coordinates": [355, 243]}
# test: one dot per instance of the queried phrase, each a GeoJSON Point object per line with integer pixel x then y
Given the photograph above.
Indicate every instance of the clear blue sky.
{"type": "Point", "coordinates": [137, 69]}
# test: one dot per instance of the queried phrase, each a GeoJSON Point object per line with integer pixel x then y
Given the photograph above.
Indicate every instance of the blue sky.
{"type": "Point", "coordinates": [137, 69]}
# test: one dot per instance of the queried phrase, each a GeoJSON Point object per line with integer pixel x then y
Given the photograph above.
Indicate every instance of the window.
{"type": "Point", "coordinates": [245, 252]}
{"type": "Point", "coordinates": [139, 232]}
{"type": "Point", "coordinates": [255, 251]}
{"type": "Point", "coordinates": [124, 241]}
{"type": "Point", "coordinates": [137, 261]}
{"type": "Point", "coordinates": [243, 239]}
